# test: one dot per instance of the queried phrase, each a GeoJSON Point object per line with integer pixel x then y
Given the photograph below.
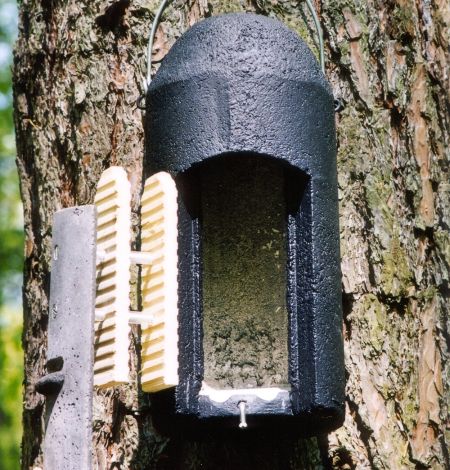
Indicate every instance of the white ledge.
{"type": "Point", "coordinates": [222, 395]}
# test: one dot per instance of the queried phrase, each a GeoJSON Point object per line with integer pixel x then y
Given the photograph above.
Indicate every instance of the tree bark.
{"type": "Point", "coordinates": [78, 72]}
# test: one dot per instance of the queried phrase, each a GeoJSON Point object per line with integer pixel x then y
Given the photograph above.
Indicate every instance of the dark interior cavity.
{"type": "Point", "coordinates": [243, 252]}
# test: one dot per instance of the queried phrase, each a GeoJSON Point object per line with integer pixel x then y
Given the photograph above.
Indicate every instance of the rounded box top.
{"type": "Point", "coordinates": [240, 83]}
{"type": "Point", "coordinates": [239, 42]}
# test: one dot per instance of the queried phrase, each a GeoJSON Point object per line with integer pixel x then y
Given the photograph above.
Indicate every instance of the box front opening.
{"type": "Point", "coordinates": [243, 233]}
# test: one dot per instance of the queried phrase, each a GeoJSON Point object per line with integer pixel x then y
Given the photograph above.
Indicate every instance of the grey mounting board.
{"type": "Point", "coordinates": [68, 386]}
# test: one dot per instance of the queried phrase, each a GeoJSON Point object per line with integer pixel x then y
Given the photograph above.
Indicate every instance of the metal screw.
{"type": "Point", "coordinates": [243, 423]}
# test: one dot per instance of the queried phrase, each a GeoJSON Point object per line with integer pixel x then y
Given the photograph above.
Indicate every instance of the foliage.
{"type": "Point", "coordinates": [11, 258]}
{"type": "Point", "coordinates": [10, 389]}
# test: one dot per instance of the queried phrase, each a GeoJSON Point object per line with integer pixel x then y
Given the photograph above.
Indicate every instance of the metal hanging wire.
{"type": "Point", "coordinates": [319, 32]}
{"type": "Point", "coordinates": [151, 38]}
{"type": "Point", "coordinates": [164, 3]}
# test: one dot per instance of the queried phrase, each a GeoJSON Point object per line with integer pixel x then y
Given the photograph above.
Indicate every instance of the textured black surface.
{"type": "Point", "coordinates": [50, 383]}
{"type": "Point", "coordinates": [243, 83]}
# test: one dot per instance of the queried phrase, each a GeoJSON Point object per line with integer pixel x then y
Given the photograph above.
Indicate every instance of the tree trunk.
{"type": "Point", "coordinates": [78, 72]}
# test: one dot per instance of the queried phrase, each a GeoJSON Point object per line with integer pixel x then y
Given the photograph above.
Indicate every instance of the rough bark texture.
{"type": "Point", "coordinates": [245, 320]}
{"type": "Point", "coordinates": [78, 72]}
